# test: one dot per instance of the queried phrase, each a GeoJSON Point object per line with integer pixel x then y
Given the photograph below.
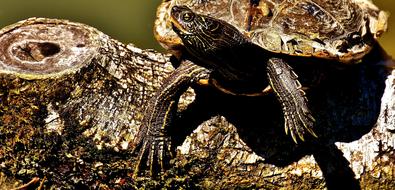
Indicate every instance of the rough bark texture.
{"type": "Point", "coordinates": [71, 100]}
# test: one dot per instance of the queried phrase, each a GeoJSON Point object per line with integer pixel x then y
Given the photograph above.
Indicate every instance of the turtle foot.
{"type": "Point", "coordinates": [153, 157]}
{"type": "Point", "coordinates": [298, 124]}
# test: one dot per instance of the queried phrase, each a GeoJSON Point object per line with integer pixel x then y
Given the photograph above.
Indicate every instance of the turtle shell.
{"type": "Point", "coordinates": [344, 30]}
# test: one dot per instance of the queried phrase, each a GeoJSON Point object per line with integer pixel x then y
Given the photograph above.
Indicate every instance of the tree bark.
{"type": "Point", "coordinates": [72, 99]}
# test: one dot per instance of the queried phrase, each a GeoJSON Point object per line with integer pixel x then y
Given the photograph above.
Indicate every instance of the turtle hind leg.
{"type": "Point", "coordinates": [297, 115]}
{"type": "Point", "coordinates": [152, 142]}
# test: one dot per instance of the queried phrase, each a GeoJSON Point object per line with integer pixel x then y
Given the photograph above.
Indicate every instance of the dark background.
{"type": "Point", "coordinates": [129, 21]}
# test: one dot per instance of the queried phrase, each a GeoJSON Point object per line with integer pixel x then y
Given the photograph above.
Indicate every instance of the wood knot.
{"type": "Point", "coordinates": [35, 51]}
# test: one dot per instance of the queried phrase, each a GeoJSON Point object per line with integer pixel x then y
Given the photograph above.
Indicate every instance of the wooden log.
{"type": "Point", "coordinates": [71, 100]}
{"type": "Point", "coordinates": [70, 94]}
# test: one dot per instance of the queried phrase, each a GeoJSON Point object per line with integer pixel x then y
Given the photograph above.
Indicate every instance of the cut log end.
{"type": "Point", "coordinates": [28, 51]}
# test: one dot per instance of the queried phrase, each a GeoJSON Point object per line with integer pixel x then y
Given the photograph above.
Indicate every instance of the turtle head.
{"type": "Point", "coordinates": [187, 23]}
{"type": "Point", "coordinates": [203, 35]}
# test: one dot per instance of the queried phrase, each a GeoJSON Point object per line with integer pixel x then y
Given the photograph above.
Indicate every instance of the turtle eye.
{"type": "Point", "coordinates": [187, 17]}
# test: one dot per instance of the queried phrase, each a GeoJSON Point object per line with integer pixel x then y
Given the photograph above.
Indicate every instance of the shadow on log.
{"type": "Point", "coordinates": [71, 100]}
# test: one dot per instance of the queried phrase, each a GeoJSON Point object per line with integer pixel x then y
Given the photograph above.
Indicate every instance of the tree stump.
{"type": "Point", "coordinates": [72, 99]}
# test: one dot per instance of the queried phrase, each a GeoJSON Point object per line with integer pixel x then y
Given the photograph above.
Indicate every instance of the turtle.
{"type": "Point", "coordinates": [242, 47]}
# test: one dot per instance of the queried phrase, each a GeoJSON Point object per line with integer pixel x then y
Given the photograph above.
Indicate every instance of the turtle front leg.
{"type": "Point", "coordinates": [152, 140]}
{"type": "Point", "coordinates": [297, 115]}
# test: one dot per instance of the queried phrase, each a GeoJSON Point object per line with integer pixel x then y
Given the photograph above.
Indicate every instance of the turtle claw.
{"type": "Point", "coordinates": [154, 155]}
{"type": "Point", "coordinates": [298, 124]}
